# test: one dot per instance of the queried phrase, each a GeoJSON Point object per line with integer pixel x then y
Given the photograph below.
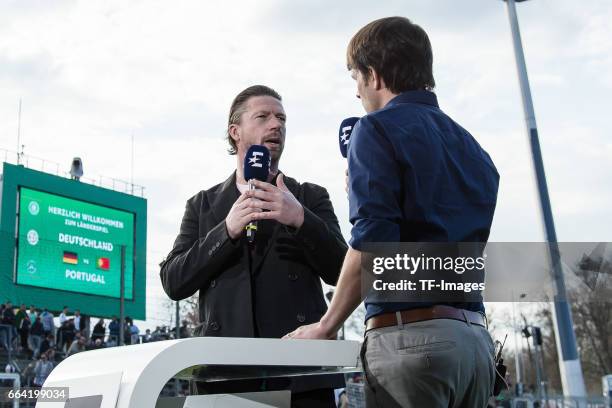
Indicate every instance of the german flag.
{"type": "Point", "coordinates": [103, 263]}
{"type": "Point", "coordinates": [70, 258]}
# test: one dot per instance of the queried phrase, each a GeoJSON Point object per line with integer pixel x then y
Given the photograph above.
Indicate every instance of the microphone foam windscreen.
{"type": "Point", "coordinates": [344, 134]}
{"type": "Point", "coordinates": [257, 163]}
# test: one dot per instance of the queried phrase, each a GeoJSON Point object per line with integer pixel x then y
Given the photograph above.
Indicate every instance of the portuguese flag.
{"type": "Point", "coordinates": [103, 263]}
{"type": "Point", "coordinates": [70, 258]}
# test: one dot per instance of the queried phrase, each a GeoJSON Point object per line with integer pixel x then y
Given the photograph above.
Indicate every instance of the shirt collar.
{"type": "Point", "coordinates": [423, 97]}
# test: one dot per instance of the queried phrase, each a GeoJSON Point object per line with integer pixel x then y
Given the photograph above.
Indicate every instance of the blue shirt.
{"type": "Point", "coordinates": [417, 176]}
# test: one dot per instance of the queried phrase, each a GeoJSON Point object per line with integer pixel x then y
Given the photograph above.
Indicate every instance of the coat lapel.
{"type": "Point", "coordinates": [225, 197]}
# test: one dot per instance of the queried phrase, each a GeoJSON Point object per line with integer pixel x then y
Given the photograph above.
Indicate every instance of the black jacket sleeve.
{"type": "Point", "coordinates": [194, 261]}
{"type": "Point", "coordinates": [320, 234]}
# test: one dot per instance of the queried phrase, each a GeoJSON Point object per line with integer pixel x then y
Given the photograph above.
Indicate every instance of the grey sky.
{"type": "Point", "coordinates": [92, 73]}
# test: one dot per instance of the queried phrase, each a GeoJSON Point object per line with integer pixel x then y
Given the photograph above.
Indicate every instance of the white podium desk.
{"type": "Point", "coordinates": [133, 376]}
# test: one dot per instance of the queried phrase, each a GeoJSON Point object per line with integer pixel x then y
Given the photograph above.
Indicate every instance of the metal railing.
{"type": "Point", "coordinates": [51, 167]}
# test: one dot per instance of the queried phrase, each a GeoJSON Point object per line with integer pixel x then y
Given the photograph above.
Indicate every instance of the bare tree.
{"type": "Point", "coordinates": [591, 307]}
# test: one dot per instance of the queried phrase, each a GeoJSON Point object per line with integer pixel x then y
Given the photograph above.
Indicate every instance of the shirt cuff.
{"type": "Point", "coordinates": [366, 231]}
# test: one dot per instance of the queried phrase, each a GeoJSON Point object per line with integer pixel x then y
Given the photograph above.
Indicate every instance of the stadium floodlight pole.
{"type": "Point", "coordinates": [569, 360]}
{"type": "Point", "coordinates": [122, 298]}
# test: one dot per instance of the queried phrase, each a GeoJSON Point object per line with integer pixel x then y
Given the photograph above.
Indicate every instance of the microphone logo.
{"type": "Point", "coordinates": [257, 163]}
{"type": "Point", "coordinates": [346, 132]}
{"type": "Point", "coordinates": [256, 167]}
{"type": "Point", "coordinates": [346, 128]}
{"type": "Point", "coordinates": [253, 160]}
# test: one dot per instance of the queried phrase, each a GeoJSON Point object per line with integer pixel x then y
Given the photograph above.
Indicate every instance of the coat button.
{"type": "Point", "coordinates": [213, 283]}
{"type": "Point", "coordinates": [293, 276]}
{"type": "Point", "coordinates": [214, 326]}
{"type": "Point", "coordinates": [301, 318]}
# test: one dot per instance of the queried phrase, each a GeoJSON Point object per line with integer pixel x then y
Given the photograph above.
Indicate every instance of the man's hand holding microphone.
{"type": "Point", "coordinates": [278, 201]}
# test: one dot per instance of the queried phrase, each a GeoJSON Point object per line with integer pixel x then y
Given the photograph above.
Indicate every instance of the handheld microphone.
{"type": "Point", "coordinates": [256, 167]}
{"type": "Point", "coordinates": [344, 134]}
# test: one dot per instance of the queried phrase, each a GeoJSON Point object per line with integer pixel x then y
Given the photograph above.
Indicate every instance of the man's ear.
{"type": "Point", "coordinates": [376, 79]}
{"type": "Point", "coordinates": [234, 132]}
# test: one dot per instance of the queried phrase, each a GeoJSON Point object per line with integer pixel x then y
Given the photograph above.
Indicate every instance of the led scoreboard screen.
{"type": "Point", "coordinates": [73, 245]}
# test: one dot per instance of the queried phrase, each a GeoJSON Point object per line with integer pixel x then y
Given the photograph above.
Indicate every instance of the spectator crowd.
{"type": "Point", "coordinates": [33, 333]}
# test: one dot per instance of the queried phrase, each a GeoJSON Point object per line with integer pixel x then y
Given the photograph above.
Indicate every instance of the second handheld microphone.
{"type": "Point", "coordinates": [344, 134]}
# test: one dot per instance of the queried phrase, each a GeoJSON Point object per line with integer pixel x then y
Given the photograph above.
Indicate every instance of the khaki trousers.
{"type": "Point", "coordinates": [435, 363]}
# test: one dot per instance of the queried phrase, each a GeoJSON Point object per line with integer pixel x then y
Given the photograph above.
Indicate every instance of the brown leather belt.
{"type": "Point", "coordinates": [430, 313]}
